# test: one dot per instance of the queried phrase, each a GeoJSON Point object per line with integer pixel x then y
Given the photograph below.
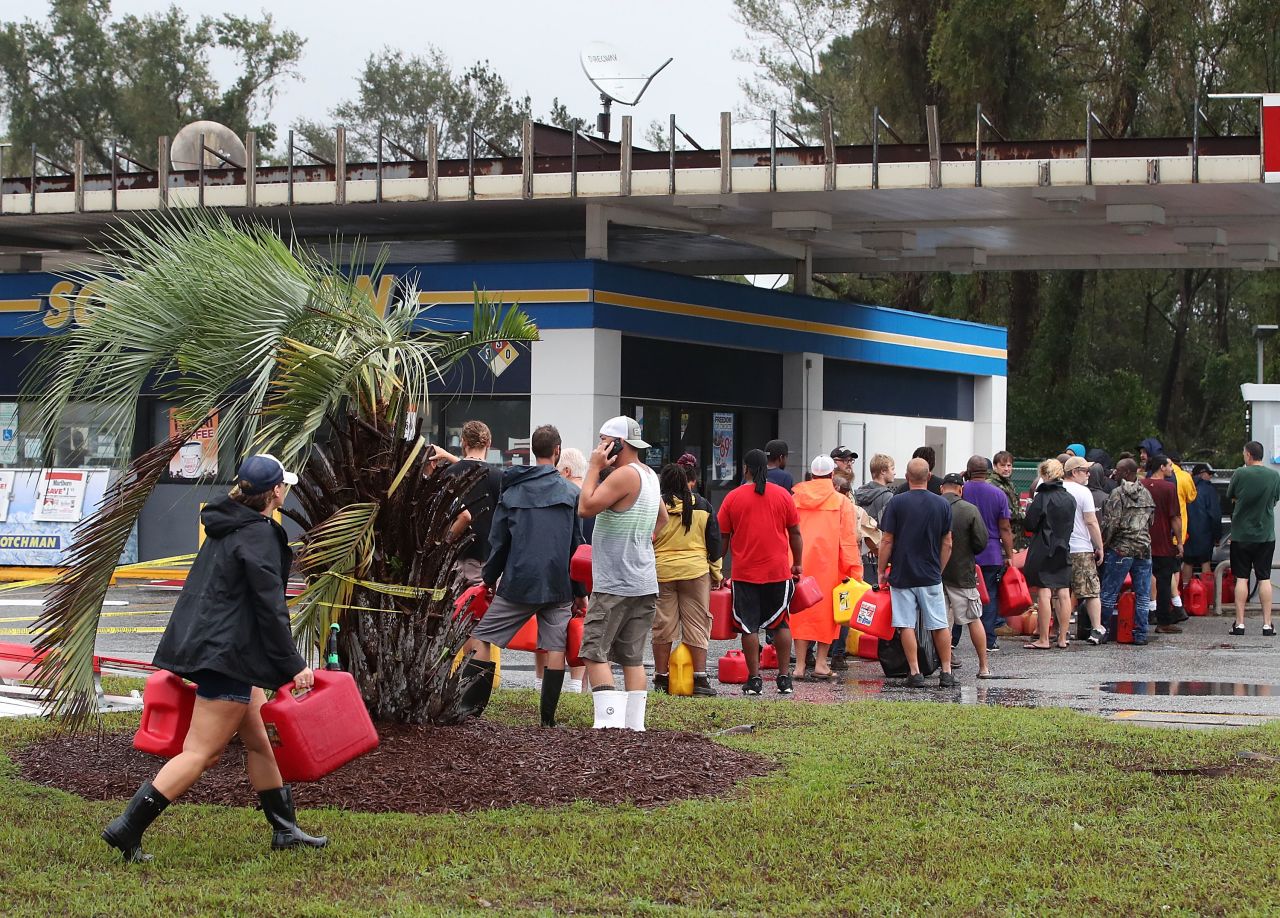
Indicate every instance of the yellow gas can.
{"type": "Point", "coordinates": [844, 599]}
{"type": "Point", "coordinates": [680, 680]}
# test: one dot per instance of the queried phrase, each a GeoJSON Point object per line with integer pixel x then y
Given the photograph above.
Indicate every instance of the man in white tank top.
{"type": "Point", "coordinates": [629, 514]}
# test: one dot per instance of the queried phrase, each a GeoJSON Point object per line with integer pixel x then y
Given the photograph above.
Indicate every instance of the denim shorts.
{"type": "Point", "coordinates": [217, 687]}
{"type": "Point", "coordinates": [910, 603]}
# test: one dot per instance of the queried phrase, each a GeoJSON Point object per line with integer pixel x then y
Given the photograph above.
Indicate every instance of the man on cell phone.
{"type": "Point", "coordinates": [629, 514]}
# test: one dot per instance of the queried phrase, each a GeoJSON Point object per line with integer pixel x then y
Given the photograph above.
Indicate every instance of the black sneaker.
{"type": "Point", "coordinates": [1237, 630]}
{"type": "Point", "coordinates": [1179, 615]}
{"type": "Point", "coordinates": [1097, 636]}
{"type": "Point", "coordinates": [785, 686]}
{"type": "Point", "coordinates": [948, 680]}
{"type": "Point", "coordinates": [839, 663]}
{"type": "Point", "coordinates": [754, 686]}
{"type": "Point", "coordinates": [915, 680]}
{"type": "Point", "coordinates": [1268, 630]}
{"type": "Point", "coordinates": [702, 686]}
{"type": "Point", "coordinates": [661, 682]}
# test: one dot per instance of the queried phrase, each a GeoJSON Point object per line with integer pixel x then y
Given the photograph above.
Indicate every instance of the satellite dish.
{"type": "Point", "coordinates": [222, 147]}
{"type": "Point", "coordinates": [617, 77]}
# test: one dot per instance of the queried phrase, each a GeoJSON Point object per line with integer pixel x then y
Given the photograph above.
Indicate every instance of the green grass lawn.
{"type": "Point", "coordinates": [877, 808]}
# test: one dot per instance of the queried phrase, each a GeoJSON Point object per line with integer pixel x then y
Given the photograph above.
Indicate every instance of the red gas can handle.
{"type": "Point", "coordinates": [320, 676]}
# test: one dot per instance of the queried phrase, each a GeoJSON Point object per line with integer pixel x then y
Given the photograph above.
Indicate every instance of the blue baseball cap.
{"type": "Point", "coordinates": [263, 472]}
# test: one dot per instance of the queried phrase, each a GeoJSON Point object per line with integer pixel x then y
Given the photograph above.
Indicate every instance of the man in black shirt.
{"type": "Point", "coordinates": [478, 503]}
{"type": "Point", "coordinates": [776, 451]}
{"type": "Point", "coordinates": [935, 483]}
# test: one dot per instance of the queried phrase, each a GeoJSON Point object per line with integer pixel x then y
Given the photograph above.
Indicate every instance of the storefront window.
{"type": "Point", "coordinates": [507, 417]}
{"type": "Point", "coordinates": [83, 439]}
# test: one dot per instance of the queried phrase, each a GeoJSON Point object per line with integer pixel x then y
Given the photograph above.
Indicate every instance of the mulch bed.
{"type": "Point", "coordinates": [479, 765]}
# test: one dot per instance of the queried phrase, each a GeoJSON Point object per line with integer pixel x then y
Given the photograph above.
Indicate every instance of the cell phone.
{"type": "Point", "coordinates": [616, 449]}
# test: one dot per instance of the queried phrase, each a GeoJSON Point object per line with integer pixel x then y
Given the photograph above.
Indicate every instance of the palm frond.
{"type": "Point", "coordinates": [336, 550]}
{"type": "Point", "coordinates": [68, 626]}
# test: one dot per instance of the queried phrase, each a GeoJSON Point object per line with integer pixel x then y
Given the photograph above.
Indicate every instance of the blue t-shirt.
{"type": "Point", "coordinates": [918, 520]}
{"type": "Point", "coordinates": [782, 478]}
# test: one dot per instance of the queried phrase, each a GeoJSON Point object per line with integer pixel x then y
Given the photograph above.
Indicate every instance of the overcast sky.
{"type": "Point", "coordinates": [535, 46]}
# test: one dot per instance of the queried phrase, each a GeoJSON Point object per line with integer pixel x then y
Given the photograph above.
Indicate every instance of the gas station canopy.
{"type": "Point", "coordinates": [1089, 204]}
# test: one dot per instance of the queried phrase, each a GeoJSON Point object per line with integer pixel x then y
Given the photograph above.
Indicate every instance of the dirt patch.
{"type": "Point", "coordinates": [479, 765]}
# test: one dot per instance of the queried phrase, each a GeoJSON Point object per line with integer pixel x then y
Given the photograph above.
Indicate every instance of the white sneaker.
{"type": "Point", "coordinates": [637, 702]}
{"type": "Point", "coordinates": [611, 709]}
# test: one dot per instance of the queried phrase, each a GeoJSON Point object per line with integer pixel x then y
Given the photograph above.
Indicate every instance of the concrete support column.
{"type": "Point", "coordinates": [803, 278]}
{"type": "Point", "coordinates": [990, 396]}
{"type": "Point", "coordinates": [576, 382]}
{"type": "Point", "coordinates": [800, 420]}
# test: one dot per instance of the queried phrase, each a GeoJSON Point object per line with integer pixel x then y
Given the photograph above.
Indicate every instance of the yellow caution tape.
{"type": "Point", "coordinates": [31, 618]}
{"type": "Point", "coordinates": [124, 568]}
{"type": "Point", "coordinates": [142, 630]}
{"type": "Point", "coordinates": [391, 589]}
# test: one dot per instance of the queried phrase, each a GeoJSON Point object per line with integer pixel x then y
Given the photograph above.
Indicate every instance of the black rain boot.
{"type": "Point", "coordinates": [552, 683]}
{"type": "Point", "coordinates": [125, 831]}
{"type": "Point", "coordinates": [475, 697]}
{"type": "Point", "coordinates": [277, 805]}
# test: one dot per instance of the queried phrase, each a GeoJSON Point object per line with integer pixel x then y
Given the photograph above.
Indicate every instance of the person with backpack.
{"type": "Point", "coordinates": [687, 552]}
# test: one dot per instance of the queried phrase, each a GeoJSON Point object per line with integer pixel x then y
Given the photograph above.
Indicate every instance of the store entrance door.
{"type": "Point", "coordinates": [717, 437]}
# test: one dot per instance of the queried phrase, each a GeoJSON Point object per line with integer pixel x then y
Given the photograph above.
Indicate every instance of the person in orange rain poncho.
{"type": "Point", "coordinates": [829, 525]}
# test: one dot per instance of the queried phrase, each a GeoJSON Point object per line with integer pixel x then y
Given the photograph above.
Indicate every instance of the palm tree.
{"type": "Point", "coordinates": [295, 359]}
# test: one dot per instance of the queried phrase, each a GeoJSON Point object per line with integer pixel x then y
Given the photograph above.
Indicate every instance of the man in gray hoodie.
{"type": "Point", "coordinates": [534, 534]}
{"type": "Point", "coordinates": [873, 497]}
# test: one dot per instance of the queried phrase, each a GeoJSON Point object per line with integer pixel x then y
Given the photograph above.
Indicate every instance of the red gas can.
{"type": "Point", "coordinates": [167, 703]}
{"type": "Point", "coordinates": [982, 586]}
{"type": "Point", "coordinates": [868, 647]}
{"type": "Point", "coordinates": [321, 730]}
{"type": "Point", "coordinates": [1195, 597]}
{"type": "Point", "coordinates": [807, 594]}
{"type": "Point", "coordinates": [722, 625]}
{"type": "Point", "coordinates": [527, 637]}
{"type": "Point", "coordinates": [768, 657]}
{"type": "Point", "coordinates": [478, 596]}
{"type": "Point", "coordinates": [580, 566]}
{"type": "Point", "coordinates": [1228, 587]}
{"type": "Point", "coordinates": [1124, 618]}
{"type": "Point", "coordinates": [732, 669]}
{"type": "Point", "coordinates": [1015, 595]}
{"type": "Point", "coordinates": [874, 615]}
{"type": "Point", "coordinates": [573, 642]}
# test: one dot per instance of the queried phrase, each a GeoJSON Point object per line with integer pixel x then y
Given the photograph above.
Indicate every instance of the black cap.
{"type": "Point", "coordinates": [953, 478]}
{"type": "Point", "coordinates": [843, 452]}
{"type": "Point", "coordinates": [775, 449]}
{"type": "Point", "coordinates": [1201, 467]}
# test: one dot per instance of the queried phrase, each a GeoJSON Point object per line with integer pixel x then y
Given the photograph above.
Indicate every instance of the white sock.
{"type": "Point", "coordinates": [1177, 601]}
{"type": "Point", "coordinates": [1151, 606]}
{"type": "Point", "coordinates": [537, 683]}
{"type": "Point", "coordinates": [575, 686]}
{"type": "Point", "coordinates": [636, 704]}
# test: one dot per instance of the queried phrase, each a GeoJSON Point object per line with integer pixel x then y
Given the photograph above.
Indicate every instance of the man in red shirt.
{"type": "Point", "coordinates": [1166, 539]}
{"type": "Point", "coordinates": [761, 531]}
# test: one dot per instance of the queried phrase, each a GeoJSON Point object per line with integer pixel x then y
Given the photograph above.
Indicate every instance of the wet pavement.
{"type": "Point", "coordinates": [1202, 677]}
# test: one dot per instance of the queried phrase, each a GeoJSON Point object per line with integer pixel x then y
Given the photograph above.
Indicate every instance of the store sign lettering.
{"type": "Point", "coordinates": [38, 542]}
{"type": "Point", "coordinates": [69, 303]}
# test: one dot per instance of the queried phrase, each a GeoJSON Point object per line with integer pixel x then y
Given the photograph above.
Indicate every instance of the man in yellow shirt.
{"type": "Point", "coordinates": [1186, 494]}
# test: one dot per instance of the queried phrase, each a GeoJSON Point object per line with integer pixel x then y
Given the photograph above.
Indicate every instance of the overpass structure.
{"type": "Point", "coordinates": [960, 207]}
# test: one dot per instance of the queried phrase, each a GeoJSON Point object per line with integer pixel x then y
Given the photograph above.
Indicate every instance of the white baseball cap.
{"type": "Point", "coordinates": [626, 429]}
{"type": "Point", "coordinates": [822, 466]}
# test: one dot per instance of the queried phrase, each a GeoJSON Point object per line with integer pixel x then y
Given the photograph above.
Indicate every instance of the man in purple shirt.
{"type": "Point", "coordinates": [993, 507]}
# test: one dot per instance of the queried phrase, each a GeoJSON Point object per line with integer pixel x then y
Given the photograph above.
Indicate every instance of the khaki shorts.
{"type": "Point", "coordinates": [1084, 575]}
{"type": "Point", "coordinates": [468, 571]}
{"type": "Point", "coordinates": [964, 605]}
{"type": "Point", "coordinates": [684, 612]}
{"type": "Point", "coordinates": [617, 628]}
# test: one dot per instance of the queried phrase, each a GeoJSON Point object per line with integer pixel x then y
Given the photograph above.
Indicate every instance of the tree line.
{"type": "Point", "coordinates": [1100, 357]}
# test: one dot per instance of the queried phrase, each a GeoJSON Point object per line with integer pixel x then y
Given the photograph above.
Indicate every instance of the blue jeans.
{"type": "Point", "coordinates": [991, 611]}
{"type": "Point", "coordinates": [1114, 568]}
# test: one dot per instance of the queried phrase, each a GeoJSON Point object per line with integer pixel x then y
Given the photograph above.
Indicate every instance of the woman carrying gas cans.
{"type": "Point", "coordinates": [229, 634]}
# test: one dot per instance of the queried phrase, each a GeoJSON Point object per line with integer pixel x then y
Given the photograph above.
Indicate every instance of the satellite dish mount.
{"type": "Point", "coordinates": [617, 77]}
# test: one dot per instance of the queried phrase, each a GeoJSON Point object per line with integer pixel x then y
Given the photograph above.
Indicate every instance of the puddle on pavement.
{"type": "Point", "coordinates": [1192, 688]}
{"type": "Point", "coordinates": [970, 691]}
